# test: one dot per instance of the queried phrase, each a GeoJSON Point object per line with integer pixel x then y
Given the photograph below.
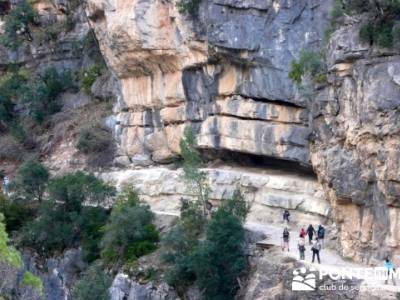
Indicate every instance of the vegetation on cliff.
{"type": "Point", "coordinates": [129, 233]}
{"type": "Point", "coordinates": [205, 247]}
{"type": "Point", "coordinates": [382, 27]}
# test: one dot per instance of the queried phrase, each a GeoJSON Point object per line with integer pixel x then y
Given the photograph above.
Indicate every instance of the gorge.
{"type": "Point", "coordinates": [328, 153]}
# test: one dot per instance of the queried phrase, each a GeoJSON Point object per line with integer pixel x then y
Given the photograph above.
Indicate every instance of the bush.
{"type": "Point", "coordinates": [381, 22]}
{"type": "Point", "coordinates": [396, 34]}
{"type": "Point", "coordinates": [10, 85]}
{"type": "Point", "coordinates": [89, 76]}
{"type": "Point", "coordinates": [180, 243]}
{"type": "Point", "coordinates": [63, 220]}
{"type": "Point", "coordinates": [189, 6]}
{"type": "Point", "coordinates": [220, 259]}
{"type": "Point", "coordinates": [178, 247]}
{"type": "Point", "coordinates": [236, 206]}
{"type": "Point", "coordinates": [129, 233]}
{"type": "Point", "coordinates": [17, 25]}
{"type": "Point", "coordinates": [28, 279]}
{"type": "Point", "coordinates": [309, 63]}
{"type": "Point", "coordinates": [94, 284]}
{"type": "Point", "coordinates": [40, 94]}
{"type": "Point", "coordinates": [16, 214]}
{"type": "Point", "coordinates": [8, 254]}
{"type": "Point", "coordinates": [94, 140]}
{"type": "Point", "coordinates": [31, 180]}
{"type": "Point", "coordinates": [93, 220]}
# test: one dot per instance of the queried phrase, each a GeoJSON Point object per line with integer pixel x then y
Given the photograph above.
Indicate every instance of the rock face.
{"type": "Point", "coordinates": [58, 274]}
{"type": "Point", "coordinates": [124, 288]}
{"type": "Point", "coordinates": [272, 279]}
{"type": "Point", "coordinates": [269, 192]}
{"type": "Point", "coordinates": [357, 146]}
{"type": "Point", "coordinates": [225, 72]}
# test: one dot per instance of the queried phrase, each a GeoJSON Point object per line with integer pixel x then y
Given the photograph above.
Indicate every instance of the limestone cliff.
{"type": "Point", "coordinates": [225, 72]}
{"type": "Point", "coordinates": [355, 150]}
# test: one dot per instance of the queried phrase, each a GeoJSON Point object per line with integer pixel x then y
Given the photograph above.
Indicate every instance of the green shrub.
{"type": "Point", "coordinates": [17, 25]}
{"type": "Point", "coordinates": [382, 16]}
{"type": "Point", "coordinates": [309, 63]}
{"type": "Point", "coordinates": [89, 76]}
{"type": "Point", "coordinates": [31, 180]}
{"type": "Point", "coordinates": [190, 260]}
{"type": "Point", "coordinates": [129, 233]}
{"type": "Point", "coordinates": [15, 212]}
{"type": "Point", "coordinates": [396, 34]}
{"type": "Point", "coordinates": [28, 279]}
{"type": "Point", "coordinates": [93, 220]}
{"type": "Point", "coordinates": [10, 85]}
{"type": "Point", "coordinates": [8, 254]}
{"type": "Point", "coordinates": [220, 259]}
{"type": "Point", "coordinates": [94, 284]}
{"type": "Point", "coordinates": [40, 94]}
{"type": "Point", "coordinates": [63, 220]}
{"type": "Point", "coordinates": [189, 6]}
{"type": "Point", "coordinates": [383, 35]}
{"type": "Point", "coordinates": [367, 33]}
{"type": "Point", "coordinates": [94, 140]}
{"type": "Point", "coordinates": [236, 206]}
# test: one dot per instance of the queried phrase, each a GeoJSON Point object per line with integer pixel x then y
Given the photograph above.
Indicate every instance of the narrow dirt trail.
{"type": "Point", "coordinates": [329, 257]}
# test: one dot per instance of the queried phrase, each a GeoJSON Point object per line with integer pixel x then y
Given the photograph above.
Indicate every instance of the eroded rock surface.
{"type": "Point", "coordinates": [269, 192]}
{"type": "Point", "coordinates": [225, 71]}
{"type": "Point", "coordinates": [357, 146]}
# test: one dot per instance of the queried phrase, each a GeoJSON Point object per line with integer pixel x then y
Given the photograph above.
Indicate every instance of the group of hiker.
{"type": "Point", "coordinates": [315, 243]}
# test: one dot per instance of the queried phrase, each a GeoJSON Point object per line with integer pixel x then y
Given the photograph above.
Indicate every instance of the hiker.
{"type": "Point", "coordinates": [301, 244]}
{"type": "Point", "coordinates": [6, 184]}
{"type": "Point", "coordinates": [321, 234]}
{"type": "Point", "coordinates": [285, 239]}
{"type": "Point", "coordinates": [315, 248]}
{"type": "Point", "coordinates": [390, 269]}
{"type": "Point", "coordinates": [302, 233]}
{"type": "Point", "coordinates": [286, 215]}
{"type": "Point", "coordinates": [310, 232]}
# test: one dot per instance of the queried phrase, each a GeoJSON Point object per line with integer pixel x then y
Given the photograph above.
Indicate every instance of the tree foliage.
{"type": "Point", "coordinates": [28, 279]}
{"type": "Point", "coordinates": [220, 260]}
{"type": "Point", "coordinates": [70, 216]}
{"type": "Point", "coordinates": [40, 95]}
{"type": "Point", "coordinates": [129, 232]}
{"type": "Point", "coordinates": [195, 178]}
{"type": "Point", "coordinates": [214, 263]}
{"type": "Point", "coordinates": [309, 64]}
{"type": "Point", "coordinates": [8, 254]}
{"type": "Point", "coordinates": [94, 284]}
{"type": "Point", "coordinates": [16, 212]}
{"type": "Point", "coordinates": [17, 27]}
{"type": "Point", "coordinates": [31, 180]}
{"type": "Point", "coordinates": [383, 16]}
{"type": "Point", "coordinates": [190, 7]}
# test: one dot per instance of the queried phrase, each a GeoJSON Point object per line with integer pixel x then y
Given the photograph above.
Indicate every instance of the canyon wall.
{"type": "Point", "coordinates": [225, 72]}
{"type": "Point", "coordinates": [356, 146]}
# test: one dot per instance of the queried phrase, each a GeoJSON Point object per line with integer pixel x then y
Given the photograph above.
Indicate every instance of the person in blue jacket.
{"type": "Point", "coordinates": [390, 271]}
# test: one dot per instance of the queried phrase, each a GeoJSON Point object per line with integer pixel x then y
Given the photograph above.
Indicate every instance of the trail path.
{"type": "Point", "coordinates": [329, 257]}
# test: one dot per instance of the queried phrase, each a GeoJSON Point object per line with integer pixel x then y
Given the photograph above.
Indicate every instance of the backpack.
{"type": "Point", "coordinates": [286, 234]}
{"type": "Point", "coordinates": [321, 232]}
{"type": "Point", "coordinates": [316, 246]}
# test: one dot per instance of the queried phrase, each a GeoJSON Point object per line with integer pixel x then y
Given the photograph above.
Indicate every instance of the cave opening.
{"type": "Point", "coordinates": [247, 160]}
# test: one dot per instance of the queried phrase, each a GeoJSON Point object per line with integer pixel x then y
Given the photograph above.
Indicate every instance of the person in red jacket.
{"type": "Point", "coordinates": [302, 233]}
